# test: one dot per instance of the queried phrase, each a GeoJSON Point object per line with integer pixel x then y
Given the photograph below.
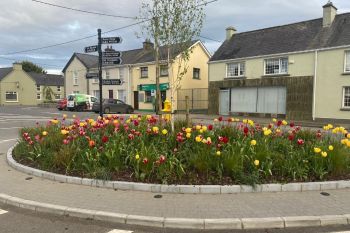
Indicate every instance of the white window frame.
{"type": "Point", "coordinates": [279, 65]}
{"type": "Point", "coordinates": [122, 74]}
{"type": "Point", "coordinates": [108, 75]}
{"type": "Point", "coordinates": [57, 95]}
{"type": "Point", "coordinates": [347, 61]}
{"type": "Point", "coordinates": [58, 88]}
{"type": "Point", "coordinates": [38, 94]}
{"type": "Point", "coordinates": [240, 66]}
{"type": "Point", "coordinates": [75, 78]}
{"type": "Point", "coordinates": [38, 88]}
{"type": "Point", "coordinates": [343, 98]}
{"type": "Point", "coordinates": [10, 101]}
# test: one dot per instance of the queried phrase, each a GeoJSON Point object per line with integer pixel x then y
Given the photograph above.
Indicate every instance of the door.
{"type": "Point", "coordinates": [136, 100]}
{"type": "Point", "coordinates": [110, 94]}
{"type": "Point", "coordinates": [224, 102]}
{"type": "Point", "coordinates": [163, 97]}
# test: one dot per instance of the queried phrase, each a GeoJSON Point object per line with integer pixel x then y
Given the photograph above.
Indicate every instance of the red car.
{"type": "Point", "coordinates": [62, 104]}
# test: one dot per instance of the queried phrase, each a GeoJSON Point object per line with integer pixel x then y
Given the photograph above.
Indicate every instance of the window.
{"type": "Point", "coordinates": [59, 88]}
{"type": "Point", "coordinates": [346, 97]}
{"type": "Point", "coordinates": [38, 96]}
{"type": "Point", "coordinates": [196, 73]}
{"type": "Point", "coordinates": [141, 97]}
{"type": "Point", "coordinates": [38, 88]}
{"type": "Point", "coordinates": [235, 70]}
{"type": "Point", "coordinates": [148, 97]}
{"type": "Point", "coordinates": [144, 72]}
{"type": "Point", "coordinates": [75, 78]}
{"type": "Point", "coordinates": [96, 93]}
{"type": "Point", "coordinates": [276, 66]}
{"type": "Point", "coordinates": [347, 61]}
{"type": "Point", "coordinates": [107, 74]}
{"type": "Point", "coordinates": [11, 96]}
{"type": "Point", "coordinates": [75, 92]}
{"type": "Point", "coordinates": [122, 95]}
{"type": "Point", "coordinates": [163, 71]}
{"type": "Point", "coordinates": [95, 80]}
{"type": "Point", "coordinates": [57, 96]}
{"type": "Point", "coordinates": [122, 74]}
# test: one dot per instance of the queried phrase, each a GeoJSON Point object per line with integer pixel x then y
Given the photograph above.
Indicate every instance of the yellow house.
{"type": "Point", "coordinates": [195, 80]}
{"type": "Point", "coordinates": [18, 87]}
{"type": "Point", "coordinates": [137, 74]}
{"type": "Point", "coordinates": [299, 71]}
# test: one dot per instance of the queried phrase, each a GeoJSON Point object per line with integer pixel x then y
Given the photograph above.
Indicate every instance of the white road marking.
{"type": "Point", "coordinates": [340, 232]}
{"type": "Point", "coordinates": [8, 140]}
{"type": "Point", "coordinates": [119, 231]}
{"type": "Point", "coordinates": [11, 128]}
{"type": "Point", "coordinates": [29, 108]}
{"type": "Point", "coordinates": [52, 113]}
{"type": "Point", "coordinates": [3, 211]}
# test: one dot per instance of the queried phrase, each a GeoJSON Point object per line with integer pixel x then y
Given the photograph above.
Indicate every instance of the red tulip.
{"type": "Point", "coordinates": [300, 142]}
{"type": "Point", "coordinates": [145, 161]}
{"type": "Point", "coordinates": [131, 137]}
{"type": "Point", "coordinates": [105, 139]}
{"type": "Point", "coordinates": [245, 130]}
{"type": "Point", "coordinates": [210, 127]}
{"type": "Point", "coordinates": [292, 124]}
{"type": "Point", "coordinates": [162, 159]}
{"type": "Point", "coordinates": [220, 118]}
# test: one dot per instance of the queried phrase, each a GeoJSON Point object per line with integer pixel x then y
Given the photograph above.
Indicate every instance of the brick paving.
{"type": "Point", "coordinates": [244, 205]}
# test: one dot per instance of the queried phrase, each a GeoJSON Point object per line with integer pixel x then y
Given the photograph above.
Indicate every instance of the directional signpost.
{"type": "Point", "coordinates": [105, 58]}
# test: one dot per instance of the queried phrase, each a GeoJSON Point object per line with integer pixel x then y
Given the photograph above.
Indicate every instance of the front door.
{"type": "Point", "coordinates": [163, 97]}
{"type": "Point", "coordinates": [110, 94]}
{"type": "Point", "coordinates": [224, 102]}
{"type": "Point", "coordinates": [136, 100]}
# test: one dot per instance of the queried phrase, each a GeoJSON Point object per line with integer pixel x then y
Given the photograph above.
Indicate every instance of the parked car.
{"type": "Point", "coordinates": [62, 104]}
{"type": "Point", "coordinates": [112, 106]}
{"type": "Point", "coordinates": [80, 102]}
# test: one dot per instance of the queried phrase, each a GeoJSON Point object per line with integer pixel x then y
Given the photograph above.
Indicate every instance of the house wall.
{"type": "Point", "coordinates": [54, 90]}
{"type": "Point", "coordinates": [82, 86]}
{"type": "Point", "coordinates": [330, 83]}
{"type": "Point", "coordinates": [20, 82]}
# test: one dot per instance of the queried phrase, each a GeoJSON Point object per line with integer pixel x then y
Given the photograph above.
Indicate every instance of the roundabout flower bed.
{"type": "Point", "coordinates": [144, 149]}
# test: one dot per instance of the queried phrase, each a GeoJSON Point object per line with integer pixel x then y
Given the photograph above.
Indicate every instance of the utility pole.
{"type": "Point", "coordinates": [156, 45]}
{"type": "Point", "coordinates": [100, 68]}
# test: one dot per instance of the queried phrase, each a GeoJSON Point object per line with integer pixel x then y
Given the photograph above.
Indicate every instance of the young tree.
{"type": "Point", "coordinates": [173, 25]}
{"type": "Point", "coordinates": [31, 67]}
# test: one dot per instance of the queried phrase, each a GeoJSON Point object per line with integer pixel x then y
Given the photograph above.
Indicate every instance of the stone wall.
{"type": "Point", "coordinates": [299, 94]}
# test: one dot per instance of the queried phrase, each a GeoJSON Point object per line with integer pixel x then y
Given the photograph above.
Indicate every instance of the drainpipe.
{"type": "Point", "coordinates": [314, 87]}
{"type": "Point", "coordinates": [129, 91]}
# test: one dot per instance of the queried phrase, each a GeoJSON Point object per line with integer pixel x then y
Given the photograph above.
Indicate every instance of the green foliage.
{"type": "Point", "coordinates": [146, 150]}
{"type": "Point", "coordinates": [48, 93]}
{"type": "Point", "coordinates": [31, 67]}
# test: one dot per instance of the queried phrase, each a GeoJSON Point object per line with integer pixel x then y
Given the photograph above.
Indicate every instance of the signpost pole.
{"type": "Point", "coordinates": [100, 68]}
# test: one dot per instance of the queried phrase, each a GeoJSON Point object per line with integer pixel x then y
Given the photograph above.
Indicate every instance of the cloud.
{"type": "Point", "coordinates": [26, 24]}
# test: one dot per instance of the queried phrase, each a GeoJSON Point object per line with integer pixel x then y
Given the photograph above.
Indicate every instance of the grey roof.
{"type": "Point", "coordinates": [307, 35]}
{"type": "Point", "coordinates": [129, 57]}
{"type": "Point", "coordinates": [47, 79]}
{"type": "Point", "coordinates": [4, 72]}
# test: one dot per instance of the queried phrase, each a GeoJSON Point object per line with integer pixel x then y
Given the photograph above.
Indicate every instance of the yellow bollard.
{"type": "Point", "coordinates": [167, 108]}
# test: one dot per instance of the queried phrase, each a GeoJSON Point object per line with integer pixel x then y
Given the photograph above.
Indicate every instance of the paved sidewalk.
{"type": "Point", "coordinates": [248, 205]}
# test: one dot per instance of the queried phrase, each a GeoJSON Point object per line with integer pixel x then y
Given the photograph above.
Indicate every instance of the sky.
{"type": "Point", "coordinates": [25, 24]}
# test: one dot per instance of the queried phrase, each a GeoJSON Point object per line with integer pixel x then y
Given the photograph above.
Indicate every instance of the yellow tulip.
{"type": "Point", "coordinates": [188, 130]}
{"type": "Point", "coordinates": [284, 122]}
{"type": "Point", "coordinates": [324, 154]}
{"type": "Point", "coordinates": [330, 148]}
{"type": "Point", "coordinates": [198, 127]}
{"type": "Point", "coordinates": [164, 131]}
{"type": "Point", "coordinates": [274, 120]}
{"type": "Point", "coordinates": [44, 133]}
{"type": "Point", "coordinates": [317, 150]}
{"type": "Point", "coordinates": [253, 142]}
{"type": "Point", "coordinates": [204, 128]}
{"type": "Point", "coordinates": [198, 139]}
{"type": "Point", "coordinates": [188, 135]}
{"type": "Point", "coordinates": [137, 156]}
{"type": "Point", "coordinates": [218, 153]}
{"type": "Point", "coordinates": [256, 162]}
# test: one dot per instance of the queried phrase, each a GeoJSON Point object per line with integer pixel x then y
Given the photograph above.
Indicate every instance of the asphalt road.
{"type": "Point", "coordinates": [15, 220]}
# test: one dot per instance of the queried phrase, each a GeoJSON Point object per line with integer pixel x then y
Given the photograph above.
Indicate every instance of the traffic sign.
{"type": "Point", "coordinates": [111, 61]}
{"type": "Point", "coordinates": [112, 54]}
{"type": "Point", "coordinates": [111, 40]}
{"type": "Point", "coordinates": [111, 82]}
{"type": "Point", "coordinates": [91, 75]}
{"type": "Point", "coordinates": [91, 49]}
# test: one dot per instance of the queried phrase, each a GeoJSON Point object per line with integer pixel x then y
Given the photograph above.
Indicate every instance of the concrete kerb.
{"type": "Point", "coordinates": [183, 223]}
{"type": "Point", "coordinates": [186, 189]}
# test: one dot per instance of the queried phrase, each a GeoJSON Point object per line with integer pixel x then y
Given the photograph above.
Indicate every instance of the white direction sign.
{"type": "Point", "coordinates": [91, 49]}
{"type": "Point", "coordinates": [113, 61]}
{"type": "Point", "coordinates": [111, 40]}
{"type": "Point", "coordinates": [112, 54]}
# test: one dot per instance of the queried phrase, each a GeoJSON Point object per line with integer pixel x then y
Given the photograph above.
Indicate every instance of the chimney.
{"type": "Point", "coordinates": [329, 13]}
{"type": "Point", "coordinates": [230, 31]}
{"type": "Point", "coordinates": [148, 45]}
{"type": "Point", "coordinates": [17, 66]}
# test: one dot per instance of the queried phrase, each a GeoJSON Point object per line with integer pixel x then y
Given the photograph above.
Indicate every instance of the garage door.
{"type": "Point", "coordinates": [244, 99]}
{"type": "Point", "coordinates": [272, 100]}
{"type": "Point", "coordinates": [259, 100]}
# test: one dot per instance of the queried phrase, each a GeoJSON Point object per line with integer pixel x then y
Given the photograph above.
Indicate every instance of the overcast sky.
{"type": "Point", "coordinates": [25, 24]}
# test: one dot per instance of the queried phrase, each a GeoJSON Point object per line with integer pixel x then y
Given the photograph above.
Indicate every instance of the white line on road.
{"type": "Point", "coordinates": [8, 140]}
{"type": "Point", "coordinates": [11, 128]}
{"type": "Point", "coordinates": [119, 231]}
{"type": "Point", "coordinates": [3, 211]}
{"type": "Point", "coordinates": [52, 113]}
